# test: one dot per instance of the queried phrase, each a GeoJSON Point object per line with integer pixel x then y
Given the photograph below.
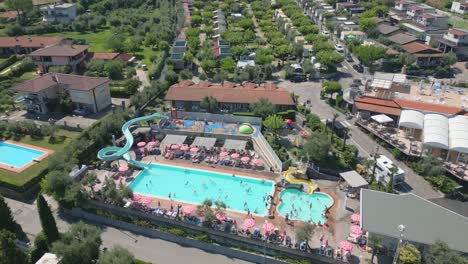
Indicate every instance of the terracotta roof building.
{"type": "Point", "coordinates": [26, 45]}
{"type": "Point", "coordinates": [429, 108]}
{"type": "Point", "coordinates": [60, 55]}
{"type": "Point", "coordinates": [424, 54]}
{"type": "Point", "coordinates": [230, 97]}
{"type": "Point", "coordinates": [88, 93]}
{"type": "Point", "coordinates": [110, 56]}
{"type": "Point", "coordinates": [376, 106]}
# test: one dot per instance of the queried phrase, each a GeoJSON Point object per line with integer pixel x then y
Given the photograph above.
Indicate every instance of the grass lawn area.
{"type": "Point", "coordinates": [146, 52]}
{"type": "Point", "coordinates": [3, 59]}
{"type": "Point", "coordinates": [27, 76]}
{"type": "Point", "coordinates": [31, 172]}
{"type": "Point", "coordinates": [459, 23]}
{"type": "Point", "coordinates": [97, 40]}
{"type": "Point", "coordinates": [7, 70]}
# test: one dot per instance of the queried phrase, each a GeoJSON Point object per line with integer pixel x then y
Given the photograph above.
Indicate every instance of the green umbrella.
{"type": "Point", "coordinates": [246, 129]}
{"type": "Point", "coordinates": [351, 36]}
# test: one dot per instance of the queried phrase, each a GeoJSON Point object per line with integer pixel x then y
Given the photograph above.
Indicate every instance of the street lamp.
{"type": "Point", "coordinates": [401, 228]}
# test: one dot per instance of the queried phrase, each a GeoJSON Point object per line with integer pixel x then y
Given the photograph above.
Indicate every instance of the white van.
{"type": "Point", "coordinates": [383, 172]}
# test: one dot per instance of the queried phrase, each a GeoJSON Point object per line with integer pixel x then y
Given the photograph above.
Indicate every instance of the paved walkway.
{"type": "Point", "coordinates": [144, 248]}
{"type": "Point", "coordinates": [143, 78]}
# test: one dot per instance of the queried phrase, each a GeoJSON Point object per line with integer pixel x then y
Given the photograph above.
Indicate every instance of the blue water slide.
{"type": "Point", "coordinates": [113, 153]}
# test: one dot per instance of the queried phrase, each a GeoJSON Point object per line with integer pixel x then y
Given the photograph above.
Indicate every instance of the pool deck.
{"type": "Point", "coordinates": [47, 152]}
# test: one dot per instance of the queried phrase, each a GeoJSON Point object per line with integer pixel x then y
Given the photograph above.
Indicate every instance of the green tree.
{"type": "Point", "coordinates": [376, 243]}
{"type": "Point", "coordinates": [440, 253]}
{"type": "Point", "coordinates": [263, 56]}
{"type": "Point", "coordinates": [367, 23]}
{"type": "Point", "coordinates": [331, 87]}
{"type": "Point", "coordinates": [208, 65]}
{"type": "Point", "coordinates": [262, 108]}
{"type": "Point", "coordinates": [9, 252]}
{"type": "Point", "coordinates": [449, 58]}
{"type": "Point", "coordinates": [49, 226]}
{"type": "Point", "coordinates": [284, 51]}
{"type": "Point", "coordinates": [228, 65]}
{"type": "Point", "coordinates": [329, 58]}
{"type": "Point", "coordinates": [369, 54]}
{"type": "Point", "coordinates": [317, 146]}
{"type": "Point", "coordinates": [132, 85]}
{"type": "Point", "coordinates": [238, 51]}
{"type": "Point", "coordinates": [349, 158]}
{"type": "Point", "coordinates": [6, 220]}
{"type": "Point", "coordinates": [56, 183]}
{"type": "Point", "coordinates": [117, 255]}
{"type": "Point", "coordinates": [80, 245]}
{"type": "Point", "coordinates": [40, 248]}
{"type": "Point", "coordinates": [305, 232]}
{"type": "Point", "coordinates": [22, 7]}
{"type": "Point", "coordinates": [209, 103]}
{"type": "Point", "coordinates": [274, 124]}
{"type": "Point", "coordinates": [116, 42]}
{"type": "Point", "coordinates": [409, 254]}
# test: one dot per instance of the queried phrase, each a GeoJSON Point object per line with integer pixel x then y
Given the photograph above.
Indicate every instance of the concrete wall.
{"type": "Point", "coordinates": [103, 97]}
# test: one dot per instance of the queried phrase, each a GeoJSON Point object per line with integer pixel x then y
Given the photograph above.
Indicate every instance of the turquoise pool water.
{"type": "Point", "coordinates": [17, 156]}
{"type": "Point", "coordinates": [193, 186]}
{"type": "Point", "coordinates": [304, 207]}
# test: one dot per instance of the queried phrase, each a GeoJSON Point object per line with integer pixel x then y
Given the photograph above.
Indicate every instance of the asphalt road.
{"type": "Point", "coordinates": [144, 248]}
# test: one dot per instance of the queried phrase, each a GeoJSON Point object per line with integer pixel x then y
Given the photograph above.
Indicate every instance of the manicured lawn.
{"type": "Point", "coordinates": [27, 76]}
{"type": "Point", "coordinates": [31, 172]}
{"type": "Point", "coordinates": [97, 40]}
{"type": "Point", "coordinates": [459, 23]}
{"type": "Point", "coordinates": [7, 70]}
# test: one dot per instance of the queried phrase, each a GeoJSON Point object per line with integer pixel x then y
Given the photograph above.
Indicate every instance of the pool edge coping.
{"type": "Point", "coordinates": [47, 153]}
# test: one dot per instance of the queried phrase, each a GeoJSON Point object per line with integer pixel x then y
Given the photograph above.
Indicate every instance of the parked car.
{"type": "Point", "coordinates": [325, 33]}
{"type": "Point", "coordinates": [358, 67]}
{"type": "Point", "coordinates": [357, 81]}
{"type": "Point", "coordinates": [144, 67]}
{"type": "Point", "coordinates": [339, 47]}
{"type": "Point", "coordinates": [349, 58]}
{"type": "Point", "coordinates": [297, 78]}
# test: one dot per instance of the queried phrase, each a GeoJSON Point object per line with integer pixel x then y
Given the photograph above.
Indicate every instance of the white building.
{"type": "Point", "coordinates": [460, 7]}
{"type": "Point", "coordinates": [49, 258]}
{"type": "Point", "coordinates": [62, 13]}
{"type": "Point", "coordinates": [385, 170]}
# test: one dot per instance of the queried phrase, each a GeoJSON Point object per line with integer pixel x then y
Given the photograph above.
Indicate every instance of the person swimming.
{"type": "Point", "coordinates": [186, 183]}
{"type": "Point", "coordinates": [194, 191]}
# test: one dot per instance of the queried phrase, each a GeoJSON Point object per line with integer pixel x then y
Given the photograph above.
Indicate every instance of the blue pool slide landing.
{"type": "Point", "coordinates": [114, 153]}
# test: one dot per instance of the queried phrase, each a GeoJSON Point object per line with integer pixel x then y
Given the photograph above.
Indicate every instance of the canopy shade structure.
{"type": "Point", "coordinates": [204, 142]}
{"type": "Point", "coordinates": [436, 131]}
{"type": "Point", "coordinates": [411, 119]}
{"type": "Point", "coordinates": [458, 133]}
{"type": "Point", "coordinates": [235, 144]}
{"type": "Point", "coordinates": [381, 119]}
{"type": "Point", "coordinates": [354, 179]}
{"type": "Point", "coordinates": [173, 139]}
{"type": "Point", "coordinates": [382, 84]}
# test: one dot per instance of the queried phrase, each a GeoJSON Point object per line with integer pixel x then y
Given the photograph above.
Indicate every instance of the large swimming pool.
{"type": "Point", "coordinates": [305, 207]}
{"type": "Point", "coordinates": [17, 156]}
{"type": "Point", "coordinates": [239, 193]}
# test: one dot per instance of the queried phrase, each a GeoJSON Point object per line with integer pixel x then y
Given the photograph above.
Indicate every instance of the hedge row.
{"type": "Point", "coordinates": [12, 59]}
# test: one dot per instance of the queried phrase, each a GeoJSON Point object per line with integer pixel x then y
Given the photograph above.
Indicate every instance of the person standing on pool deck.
{"type": "Point", "coordinates": [169, 195]}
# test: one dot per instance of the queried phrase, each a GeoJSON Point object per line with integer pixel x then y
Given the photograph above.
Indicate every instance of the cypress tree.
{"type": "Point", "coordinates": [49, 227]}
{"type": "Point", "coordinates": [6, 220]}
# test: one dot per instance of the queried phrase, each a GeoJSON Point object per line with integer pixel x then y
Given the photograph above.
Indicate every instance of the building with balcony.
{"type": "Point", "coordinates": [26, 45]}
{"type": "Point", "coordinates": [416, 10]}
{"type": "Point", "coordinates": [42, 94]}
{"type": "Point", "coordinates": [62, 13]}
{"type": "Point", "coordinates": [403, 5]}
{"type": "Point", "coordinates": [459, 7]}
{"type": "Point", "coordinates": [221, 49]}
{"type": "Point", "coordinates": [425, 55]}
{"type": "Point", "coordinates": [455, 40]}
{"type": "Point", "coordinates": [59, 55]}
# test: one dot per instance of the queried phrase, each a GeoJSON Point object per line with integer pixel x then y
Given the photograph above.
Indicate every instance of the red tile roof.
{"type": "Point", "coordinates": [416, 47]}
{"type": "Point", "coordinates": [103, 55]}
{"type": "Point", "coordinates": [415, 7]}
{"type": "Point", "coordinates": [429, 107]}
{"type": "Point", "coordinates": [455, 31]}
{"type": "Point", "coordinates": [29, 42]}
{"type": "Point", "coordinates": [427, 16]}
{"type": "Point", "coordinates": [228, 93]}
{"type": "Point", "coordinates": [71, 81]}
{"type": "Point", "coordinates": [378, 109]}
{"type": "Point", "coordinates": [60, 50]}
{"type": "Point", "coordinates": [11, 15]}
{"type": "Point", "coordinates": [376, 101]}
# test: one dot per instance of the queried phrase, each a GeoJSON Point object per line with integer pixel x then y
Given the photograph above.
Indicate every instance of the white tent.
{"type": "Point", "coordinates": [381, 119]}
{"type": "Point", "coordinates": [411, 119]}
{"type": "Point", "coordinates": [436, 131]}
{"type": "Point", "coordinates": [458, 133]}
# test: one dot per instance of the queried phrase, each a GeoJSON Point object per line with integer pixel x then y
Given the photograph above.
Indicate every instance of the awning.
{"type": "Point", "coordinates": [411, 119]}
{"type": "Point", "coordinates": [354, 179]}
{"type": "Point", "coordinates": [436, 131]}
{"type": "Point", "coordinates": [458, 133]}
{"type": "Point", "coordinates": [381, 119]}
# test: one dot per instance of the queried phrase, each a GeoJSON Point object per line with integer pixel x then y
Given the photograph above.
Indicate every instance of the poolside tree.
{"type": "Point", "coordinates": [274, 124]}
{"type": "Point", "coordinates": [207, 212]}
{"type": "Point", "coordinates": [305, 233]}
{"type": "Point", "coordinates": [49, 226]}
{"type": "Point", "coordinates": [9, 252]}
{"type": "Point", "coordinates": [376, 243]}
{"type": "Point", "coordinates": [317, 146]}
{"type": "Point", "coordinates": [209, 103]}
{"type": "Point", "coordinates": [117, 255]}
{"type": "Point", "coordinates": [262, 108]}
{"type": "Point", "coordinates": [409, 254]}
{"type": "Point", "coordinates": [440, 253]}
{"type": "Point", "coordinates": [220, 207]}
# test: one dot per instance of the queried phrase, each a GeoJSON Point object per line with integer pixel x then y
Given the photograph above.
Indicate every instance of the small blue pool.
{"type": "Point", "coordinates": [305, 207]}
{"type": "Point", "coordinates": [239, 193]}
{"type": "Point", "coordinates": [17, 156]}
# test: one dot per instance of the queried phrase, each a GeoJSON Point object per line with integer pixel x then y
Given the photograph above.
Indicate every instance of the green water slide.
{"type": "Point", "coordinates": [113, 153]}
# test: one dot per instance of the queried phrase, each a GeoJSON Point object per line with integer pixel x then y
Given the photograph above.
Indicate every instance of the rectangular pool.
{"type": "Point", "coordinates": [17, 156]}
{"type": "Point", "coordinates": [239, 193]}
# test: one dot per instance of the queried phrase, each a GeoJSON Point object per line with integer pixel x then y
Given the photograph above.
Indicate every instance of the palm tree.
{"type": "Point", "coordinates": [376, 245]}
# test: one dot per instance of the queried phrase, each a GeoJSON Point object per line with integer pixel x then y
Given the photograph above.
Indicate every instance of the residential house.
{"type": "Point", "coordinates": [353, 8]}
{"type": "Point", "coordinates": [26, 45]}
{"type": "Point", "coordinates": [403, 5]}
{"type": "Point", "coordinates": [459, 7]}
{"type": "Point", "coordinates": [455, 40]}
{"type": "Point", "coordinates": [187, 95]}
{"type": "Point", "coordinates": [42, 94]}
{"type": "Point", "coordinates": [413, 219]}
{"type": "Point", "coordinates": [59, 55]}
{"type": "Point", "coordinates": [425, 55]}
{"type": "Point", "coordinates": [221, 49]}
{"type": "Point", "coordinates": [219, 25]}
{"type": "Point", "coordinates": [388, 30]}
{"type": "Point", "coordinates": [350, 35]}
{"type": "Point", "coordinates": [62, 13]}
{"type": "Point", "coordinates": [127, 58]}
{"type": "Point", "coordinates": [402, 38]}
{"type": "Point", "coordinates": [427, 25]}
{"type": "Point", "coordinates": [416, 10]}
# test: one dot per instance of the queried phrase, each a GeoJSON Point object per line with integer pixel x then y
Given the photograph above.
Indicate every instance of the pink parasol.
{"type": "Point", "coordinates": [221, 216]}
{"type": "Point", "coordinates": [146, 200]}
{"type": "Point", "coordinates": [141, 144]}
{"type": "Point", "coordinates": [355, 229]}
{"type": "Point", "coordinates": [268, 227]}
{"type": "Point", "coordinates": [356, 218]}
{"type": "Point", "coordinates": [168, 154]}
{"type": "Point", "coordinates": [194, 149]}
{"type": "Point", "coordinates": [288, 121]}
{"type": "Point", "coordinates": [223, 154]}
{"type": "Point", "coordinates": [257, 162]}
{"type": "Point", "coordinates": [184, 148]}
{"type": "Point", "coordinates": [249, 223]}
{"type": "Point", "coordinates": [346, 246]}
{"type": "Point", "coordinates": [235, 156]}
{"type": "Point", "coordinates": [152, 144]}
{"type": "Point", "coordinates": [141, 150]}
{"type": "Point", "coordinates": [187, 209]}
{"type": "Point", "coordinates": [175, 146]}
{"type": "Point", "coordinates": [123, 168]}
{"type": "Point", "coordinates": [245, 159]}
{"type": "Point", "coordinates": [136, 197]}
